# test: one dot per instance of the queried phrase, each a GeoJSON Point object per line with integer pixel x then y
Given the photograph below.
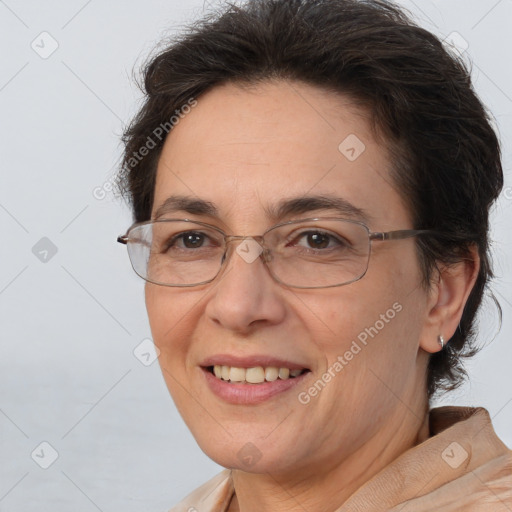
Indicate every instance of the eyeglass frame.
{"type": "Point", "coordinates": [378, 236]}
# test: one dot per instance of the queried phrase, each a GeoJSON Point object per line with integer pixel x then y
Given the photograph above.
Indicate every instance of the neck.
{"type": "Point", "coordinates": [326, 487]}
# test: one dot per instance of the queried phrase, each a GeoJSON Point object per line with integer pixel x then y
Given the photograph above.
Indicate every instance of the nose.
{"type": "Point", "coordinates": [245, 294]}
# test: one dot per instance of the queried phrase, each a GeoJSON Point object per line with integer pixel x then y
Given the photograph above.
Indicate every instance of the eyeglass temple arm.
{"type": "Point", "coordinates": [124, 239]}
{"type": "Point", "coordinates": [399, 234]}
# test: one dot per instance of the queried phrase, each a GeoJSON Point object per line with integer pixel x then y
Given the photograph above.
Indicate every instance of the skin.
{"type": "Point", "coordinates": [244, 149]}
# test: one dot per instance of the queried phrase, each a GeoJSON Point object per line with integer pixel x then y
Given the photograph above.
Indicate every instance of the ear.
{"type": "Point", "coordinates": [447, 298]}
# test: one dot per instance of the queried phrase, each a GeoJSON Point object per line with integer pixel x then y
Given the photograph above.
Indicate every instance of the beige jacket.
{"type": "Point", "coordinates": [462, 466]}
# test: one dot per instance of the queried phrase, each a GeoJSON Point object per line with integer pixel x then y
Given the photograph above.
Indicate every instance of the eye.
{"type": "Point", "coordinates": [318, 240]}
{"type": "Point", "coordinates": [189, 240]}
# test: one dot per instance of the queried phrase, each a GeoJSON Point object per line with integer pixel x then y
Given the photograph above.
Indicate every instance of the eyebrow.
{"type": "Point", "coordinates": [305, 204]}
{"type": "Point", "coordinates": [186, 204]}
{"type": "Point", "coordinates": [284, 208]}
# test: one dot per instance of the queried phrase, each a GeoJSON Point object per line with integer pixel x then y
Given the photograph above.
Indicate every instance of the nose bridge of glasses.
{"type": "Point", "coordinates": [263, 252]}
{"type": "Point", "coordinates": [258, 238]}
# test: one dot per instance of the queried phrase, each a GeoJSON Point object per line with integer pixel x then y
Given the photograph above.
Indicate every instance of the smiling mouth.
{"type": "Point", "coordinates": [254, 375]}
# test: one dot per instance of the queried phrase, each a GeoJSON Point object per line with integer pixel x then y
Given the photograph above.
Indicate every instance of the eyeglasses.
{"type": "Point", "coordinates": [319, 252]}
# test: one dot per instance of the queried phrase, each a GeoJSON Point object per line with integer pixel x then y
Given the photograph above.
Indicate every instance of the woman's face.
{"type": "Point", "coordinates": [245, 152]}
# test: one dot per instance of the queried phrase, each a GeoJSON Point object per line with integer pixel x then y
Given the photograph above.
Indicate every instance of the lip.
{"type": "Point", "coordinates": [249, 394]}
{"type": "Point", "coordinates": [251, 362]}
{"type": "Point", "coordinates": [244, 393]}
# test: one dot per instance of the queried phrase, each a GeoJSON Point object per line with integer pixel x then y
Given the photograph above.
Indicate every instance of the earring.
{"type": "Point", "coordinates": [440, 339]}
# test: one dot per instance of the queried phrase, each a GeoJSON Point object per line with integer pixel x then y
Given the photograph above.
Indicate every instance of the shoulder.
{"type": "Point", "coordinates": [213, 496]}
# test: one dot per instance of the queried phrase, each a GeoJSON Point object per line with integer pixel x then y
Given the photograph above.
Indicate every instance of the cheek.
{"type": "Point", "coordinates": [172, 315]}
{"type": "Point", "coordinates": [336, 318]}
{"type": "Point", "coordinates": [372, 323]}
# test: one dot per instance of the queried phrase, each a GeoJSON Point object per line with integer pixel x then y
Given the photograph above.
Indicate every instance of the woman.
{"type": "Point", "coordinates": [311, 182]}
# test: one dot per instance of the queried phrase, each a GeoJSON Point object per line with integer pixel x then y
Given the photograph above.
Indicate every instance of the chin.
{"type": "Point", "coordinates": [257, 456]}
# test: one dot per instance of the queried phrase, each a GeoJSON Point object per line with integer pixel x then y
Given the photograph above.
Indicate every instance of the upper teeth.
{"type": "Point", "coordinates": [254, 375]}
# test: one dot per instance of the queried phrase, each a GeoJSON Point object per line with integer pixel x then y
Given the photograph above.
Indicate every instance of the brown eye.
{"type": "Point", "coordinates": [318, 240]}
{"type": "Point", "coordinates": [188, 240]}
{"type": "Point", "coordinates": [192, 240]}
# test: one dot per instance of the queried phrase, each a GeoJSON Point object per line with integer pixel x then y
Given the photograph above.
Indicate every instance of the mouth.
{"type": "Point", "coordinates": [254, 375]}
{"type": "Point", "coordinates": [251, 380]}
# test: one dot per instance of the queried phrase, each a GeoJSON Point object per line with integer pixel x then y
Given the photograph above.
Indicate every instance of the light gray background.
{"type": "Point", "coordinates": [69, 325]}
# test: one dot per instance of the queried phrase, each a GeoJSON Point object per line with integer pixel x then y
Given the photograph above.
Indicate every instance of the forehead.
{"type": "Point", "coordinates": [245, 148]}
